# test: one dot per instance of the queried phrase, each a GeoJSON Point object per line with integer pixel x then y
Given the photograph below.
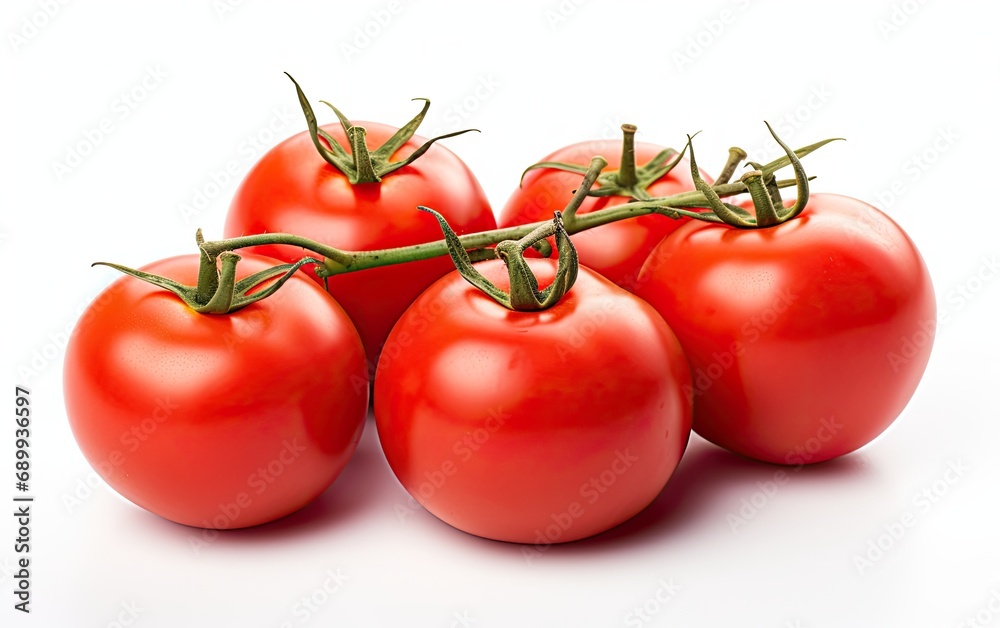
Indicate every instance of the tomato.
{"type": "Point", "coordinates": [806, 339]}
{"type": "Point", "coordinates": [616, 250]}
{"type": "Point", "coordinates": [293, 190]}
{"type": "Point", "coordinates": [532, 427]}
{"type": "Point", "coordinates": [216, 421]}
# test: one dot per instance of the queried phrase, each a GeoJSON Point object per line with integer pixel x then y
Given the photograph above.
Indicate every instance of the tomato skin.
{"type": "Point", "coordinates": [796, 333]}
{"type": "Point", "coordinates": [504, 424]}
{"type": "Point", "coordinates": [616, 250]}
{"type": "Point", "coordinates": [216, 421]}
{"type": "Point", "coordinates": [293, 190]}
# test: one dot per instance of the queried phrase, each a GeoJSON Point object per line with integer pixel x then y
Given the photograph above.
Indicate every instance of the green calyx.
{"type": "Point", "coordinates": [763, 187]}
{"type": "Point", "coordinates": [217, 291]}
{"type": "Point", "coordinates": [629, 179]}
{"type": "Point", "coordinates": [524, 294]}
{"type": "Point", "coordinates": [362, 165]}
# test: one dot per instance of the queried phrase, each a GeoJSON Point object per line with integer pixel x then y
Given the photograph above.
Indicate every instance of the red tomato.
{"type": "Point", "coordinates": [216, 421]}
{"type": "Point", "coordinates": [293, 190]}
{"type": "Point", "coordinates": [532, 427]}
{"type": "Point", "coordinates": [806, 339]}
{"type": "Point", "coordinates": [616, 250]}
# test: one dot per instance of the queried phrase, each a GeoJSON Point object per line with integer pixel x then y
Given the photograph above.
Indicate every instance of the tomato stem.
{"type": "Point", "coordinates": [774, 192]}
{"type": "Point", "coordinates": [524, 295]}
{"type": "Point", "coordinates": [628, 180]}
{"type": "Point", "coordinates": [217, 291]}
{"type": "Point", "coordinates": [627, 176]}
{"type": "Point", "coordinates": [362, 165]}
{"type": "Point", "coordinates": [763, 188]}
{"type": "Point", "coordinates": [222, 300]}
{"type": "Point", "coordinates": [736, 156]}
{"type": "Point", "coordinates": [725, 212]}
{"type": "Point", "coordinates": [801, 180]}
{"type": "Point", "coordinates": [762, 202]}
{"type": "Point", "coordinates": [208, 274]}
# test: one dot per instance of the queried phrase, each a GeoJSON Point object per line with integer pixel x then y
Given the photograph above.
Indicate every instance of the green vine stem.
{"type": "Point", "coordinates": [218, 292]}
{"type": "Point", "coordinates": [338, 261]}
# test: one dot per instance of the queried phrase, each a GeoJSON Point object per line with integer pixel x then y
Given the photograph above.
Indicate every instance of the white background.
{"type": "Point", "coordinates": [910, 85]}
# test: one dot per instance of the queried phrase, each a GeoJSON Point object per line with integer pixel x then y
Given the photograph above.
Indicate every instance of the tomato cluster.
{"type": "Point", "coordinates": [524, 400]}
